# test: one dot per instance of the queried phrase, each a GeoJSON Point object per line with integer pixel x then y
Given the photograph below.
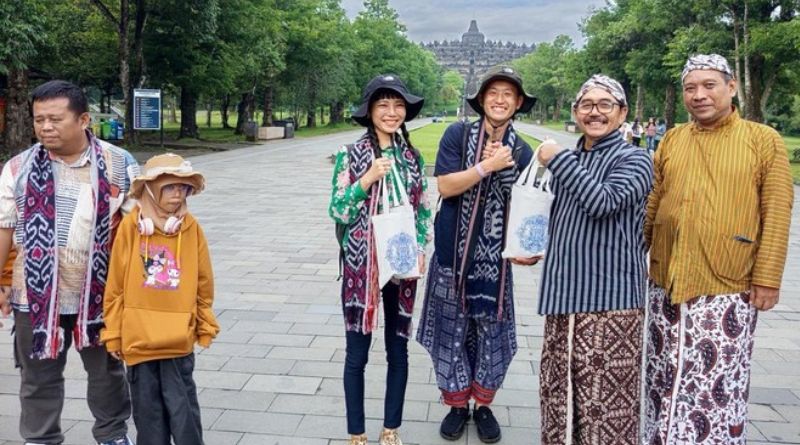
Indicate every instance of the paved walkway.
{"type": "Point", "coordinates": [274, 375]}
{"type": "Point", "coordinates": [562, 137]}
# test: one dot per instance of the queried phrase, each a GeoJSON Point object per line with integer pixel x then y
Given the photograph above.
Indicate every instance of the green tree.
{"type": "Point", "coordinates": [81, 45]}
{"type": "Point", "coordinates": [21, 31]}
{"type": "Point", "coordinates": [551, 73]}
{"type": "Point", "coordinates": [316, 64]}
{"type": "Point", "coordinates": [771, 50]}
{"type": "Point", "coordinates": [179, 43]}
{"type": "Point", "coordinates": [633, 41]}
{"type": "Point", "coordinates": [451, 91]}
{"type": "Point", "coordinates": [247, 54]}
{"type": "Point", "coordinates": [383, 47]}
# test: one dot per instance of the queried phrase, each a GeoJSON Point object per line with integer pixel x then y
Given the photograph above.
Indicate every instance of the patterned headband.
{"type": "Point", "coordinates": [707, 62]}
{"type": "Point", "coordinates": [606, 83]}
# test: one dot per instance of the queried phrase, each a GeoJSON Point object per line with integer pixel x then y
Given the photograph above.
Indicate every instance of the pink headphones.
{"type": "Point", "coordinates": [147, 228]}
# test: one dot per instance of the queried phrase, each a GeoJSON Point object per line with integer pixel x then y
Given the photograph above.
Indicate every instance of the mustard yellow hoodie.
{"type": "Point", "coordinates": [159, 293]}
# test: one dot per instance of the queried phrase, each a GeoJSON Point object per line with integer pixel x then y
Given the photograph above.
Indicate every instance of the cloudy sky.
{"type": "Point", "coordinates": [521, 21]}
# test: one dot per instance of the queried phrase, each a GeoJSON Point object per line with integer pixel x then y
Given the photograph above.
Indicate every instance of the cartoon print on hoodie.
{"type": "Point", "coordinates": [161, 269]}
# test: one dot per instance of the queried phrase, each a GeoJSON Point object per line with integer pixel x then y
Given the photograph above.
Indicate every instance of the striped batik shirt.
{"type": "Point", "coordinates": [718, 217]}
{"type": "Point", "coordinates": [596, 256]}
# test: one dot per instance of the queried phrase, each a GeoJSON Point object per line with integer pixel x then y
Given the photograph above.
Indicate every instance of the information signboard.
{"type": "Point", "coordinates": [146, 109]}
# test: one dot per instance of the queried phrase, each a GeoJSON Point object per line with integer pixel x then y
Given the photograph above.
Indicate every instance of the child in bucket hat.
{"type": "Point", "coordinates": [158, 301]}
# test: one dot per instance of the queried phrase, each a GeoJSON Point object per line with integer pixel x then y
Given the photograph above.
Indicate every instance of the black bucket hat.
{"type": "Point", "coordinates": [506, 73]}
{"type": "Point", "coordinates": [392, 83]}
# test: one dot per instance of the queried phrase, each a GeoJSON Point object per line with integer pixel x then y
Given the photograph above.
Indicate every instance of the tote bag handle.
{"type": "Point", "coordinates": [402, 195]}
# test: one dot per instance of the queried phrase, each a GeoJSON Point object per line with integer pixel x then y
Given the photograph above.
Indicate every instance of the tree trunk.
{"type": "Point", "coordinates": [322, 116]}
{"type": "Point", "coordinates": [224, 105]}
{"type": "Point", "coordinates": [19, 125]}
{"type": "Point", "coordinates": [173, 113]}
{"type": "Point", "coordinates": [244, 112]}
{"type": "Point", "coordinates": [768, 85]}
{"type": "Point", "coordinates": [251, 106]}
{"type": "Point", "coordinates": [311, 117]}
{"type": "Point", "coordinates": [124, 61]}
{"type": "Point", "coordinates": [670, 102]}
{"type": "Point", "coordinates": [103, 103]}
{"type": "Point", "coordinates": [188, 114]}
{"type": "Point", "coordinates": [267, 120]}
{"type": "Point", "coordinates": [138, 45]}
{"type": "Point", "coordinates": [755, 112]}
{"type": "Point", "coordinates": [738, 63]}
{"type": "Point", "coordinates": [138, 74]}
{"type": "Point", "coordinates": [121, 23]}
{"type": "Point", "coordinates": [639, 102]}
{"type": "Point", "coordinates": [337, 112]}
{"type": "Point", "coordinates": [209, 109]}
{"type": "Point", "coordinates": [557, 110]}
{"type": "Point", "coordinates": [748, 86]}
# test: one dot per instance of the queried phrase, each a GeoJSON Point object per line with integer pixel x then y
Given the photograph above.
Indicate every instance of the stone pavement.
{"type": "Point", "coordinates": [274, 375]}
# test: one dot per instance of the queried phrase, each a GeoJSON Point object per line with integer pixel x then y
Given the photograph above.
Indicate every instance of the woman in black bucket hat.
{"type": "Point", "coordinates": [386, 106]}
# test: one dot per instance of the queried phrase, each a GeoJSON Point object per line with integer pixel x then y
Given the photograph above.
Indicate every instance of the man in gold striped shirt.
{"type": "Point", "coordinates": [718, 227]}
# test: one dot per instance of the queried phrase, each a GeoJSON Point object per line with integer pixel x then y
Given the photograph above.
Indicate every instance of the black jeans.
{"type": "Point", "coordinates": [396, 375]}
{"type": "Point", "coordinates": [41, 392]}
{"type": "Point", "coordinates": [165, 402]}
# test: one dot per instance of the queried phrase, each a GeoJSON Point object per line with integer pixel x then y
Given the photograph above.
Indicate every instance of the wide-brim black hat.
{"type": "Point", "coordinates": [392, 83]}
{"type": "Point", "coordinates": [501, 73]}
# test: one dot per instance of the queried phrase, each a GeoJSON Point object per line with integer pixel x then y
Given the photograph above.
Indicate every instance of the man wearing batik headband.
{"type": "Point", "coordinates": [467, 322]}
{"type": "Point", "coordinates": [594, 279]}
{"type": "Point", "coordinates": [718, 227]}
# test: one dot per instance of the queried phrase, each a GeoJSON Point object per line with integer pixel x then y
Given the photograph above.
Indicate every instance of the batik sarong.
{"type": "Point", "coordinates": [470, 355]}
{"type": "Point", "coordinates": [697, 376]}
{"type": "Point", "coordinates": [590, 378]}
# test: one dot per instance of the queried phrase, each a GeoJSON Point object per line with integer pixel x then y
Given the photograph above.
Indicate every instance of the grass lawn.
{"type": "Point", "coordinates": [326, 129]}
{"type": "Point", "coordinates": [426, 139]}
{"type": "Point", "coordinates": [792, 144]}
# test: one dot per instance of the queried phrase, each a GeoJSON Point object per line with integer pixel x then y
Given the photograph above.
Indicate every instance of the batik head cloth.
{"type": "Point", "coordinates": [713, 62]}
{"type": "Point", "coordinates": [606, 83]}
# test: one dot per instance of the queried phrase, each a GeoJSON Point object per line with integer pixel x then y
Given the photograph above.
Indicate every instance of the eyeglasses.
{"type": "Point", "coordinates": [172, 188]}
{"type": "Point", "coordinates": [604, 106]}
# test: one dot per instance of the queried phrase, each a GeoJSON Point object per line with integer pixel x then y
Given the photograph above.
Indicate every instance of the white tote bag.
{"type": "Point", "coordinates": [529, 216]}
{"type": "Point", "coordinates": [395, 236]}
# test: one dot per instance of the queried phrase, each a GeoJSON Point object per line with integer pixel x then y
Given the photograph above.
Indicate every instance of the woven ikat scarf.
{"type": "Point", "coordinates": [41, 256]}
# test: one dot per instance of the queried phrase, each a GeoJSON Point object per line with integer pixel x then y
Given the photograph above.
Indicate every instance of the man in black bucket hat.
{"type": "Point", "coordinates": [507, 74]}
{"type": "Point", "coordinates": [467, 322]}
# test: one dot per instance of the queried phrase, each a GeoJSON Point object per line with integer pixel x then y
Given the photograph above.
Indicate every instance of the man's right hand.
{"type": "Point", "coordinates": [501, 159]}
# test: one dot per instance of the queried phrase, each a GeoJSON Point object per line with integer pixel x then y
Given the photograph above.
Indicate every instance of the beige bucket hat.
{"type": "Point", "coordinates": [167, 164]}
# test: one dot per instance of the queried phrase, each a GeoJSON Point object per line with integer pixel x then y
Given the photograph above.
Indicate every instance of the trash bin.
{"type": "Point", "coordinates": [288, 132]}
{"type": "Point", "coordinates": [288, 127]}
{"type": "Point", "coordinates": [105, 130]}
{"type": "Point", "coordinates": [250, 131]}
